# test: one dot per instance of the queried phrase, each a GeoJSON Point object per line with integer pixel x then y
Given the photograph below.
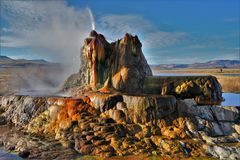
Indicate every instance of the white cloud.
{"type": "Point", "coordinates": [227, 56]}
{"type": "Point", "coordinates": [118, 25]}
{"type": "Point", "coordinates": [10, 41]}
{"type": "Point", "coordinates": [52, 26]}
{"type": "Point", "coordinates": [115, 26]}
{"type": "Point", "coordinates": [164, 39]}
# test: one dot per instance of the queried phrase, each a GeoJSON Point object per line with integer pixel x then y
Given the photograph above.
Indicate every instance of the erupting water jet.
{"type": "Point", "coordinates": [91, 18]}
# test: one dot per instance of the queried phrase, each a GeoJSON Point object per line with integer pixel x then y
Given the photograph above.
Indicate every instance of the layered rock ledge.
{"type": "Point", "coordinates": [121, 125]}
{"type": "Point", "coordinates": [204, 89]}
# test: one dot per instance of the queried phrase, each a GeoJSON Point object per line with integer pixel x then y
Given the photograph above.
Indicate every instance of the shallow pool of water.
{"type": "Point", "coordinates": [231, 99]}
{"type": "Point", "coordinates": [8, 156]}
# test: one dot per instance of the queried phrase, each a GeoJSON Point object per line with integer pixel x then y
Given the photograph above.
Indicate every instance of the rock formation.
{"type": "Point", "coordinates": [122, 110]}
{"type": "Point", "coordinates": [119, 125]}
{"type": "Point", "coordinates": [120, 65]}
{"type": "Point", "coordinates": [204, 89]}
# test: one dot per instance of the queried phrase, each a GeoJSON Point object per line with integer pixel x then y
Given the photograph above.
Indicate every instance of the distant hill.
{"type": "Point", "coordinates": [209, 64]}
{"type": "Point", "coordinates": [6, 62]}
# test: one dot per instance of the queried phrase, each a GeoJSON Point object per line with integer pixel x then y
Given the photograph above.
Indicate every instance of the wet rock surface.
{"type": "Point", "coordinates": [29, 146]}
{"type": "Point", "coordinates": [77, 127]}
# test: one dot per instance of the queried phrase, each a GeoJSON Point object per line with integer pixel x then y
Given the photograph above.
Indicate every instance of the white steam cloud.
{"type": "Point", "coordinates": [50, 29]}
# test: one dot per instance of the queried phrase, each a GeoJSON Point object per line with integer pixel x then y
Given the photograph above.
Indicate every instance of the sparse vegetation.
{"type": "Point", "coordinates": [229, 83]}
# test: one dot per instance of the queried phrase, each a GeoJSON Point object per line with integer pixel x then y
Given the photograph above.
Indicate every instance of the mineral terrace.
{"type": "Point", "coordinates": [116, 107]}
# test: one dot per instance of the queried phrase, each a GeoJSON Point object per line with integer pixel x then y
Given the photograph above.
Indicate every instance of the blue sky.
{"type": "Point", "coordinates": [172, 31]}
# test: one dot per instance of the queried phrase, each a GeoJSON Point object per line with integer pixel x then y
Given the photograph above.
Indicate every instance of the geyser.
{"type": "Point", "coordinates": [91, 18]}
{"type": "Point", "coordinates": [121, 66]}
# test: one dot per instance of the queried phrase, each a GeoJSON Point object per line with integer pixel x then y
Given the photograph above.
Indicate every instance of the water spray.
{"type": "Point", "coordinates": [91, 18]}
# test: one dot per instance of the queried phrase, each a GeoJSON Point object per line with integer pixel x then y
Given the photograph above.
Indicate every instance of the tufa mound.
{"type": "Point", "coordinates": [121, 67]}
{"type": "Point", "coordinates": [106, 66]}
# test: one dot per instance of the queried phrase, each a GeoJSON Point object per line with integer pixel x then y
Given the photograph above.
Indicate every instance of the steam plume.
{"type": "Point", "coordinates": [91, 18]}
{"type": "Point", "coordinates": [52, 30]}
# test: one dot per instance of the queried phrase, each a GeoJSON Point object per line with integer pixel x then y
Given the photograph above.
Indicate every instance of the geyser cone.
{"type": "Point", "coordinates": [93, 33]}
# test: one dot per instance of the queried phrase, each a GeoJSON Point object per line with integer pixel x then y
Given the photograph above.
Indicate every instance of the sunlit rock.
{"type": "Point", "coordinates": [120, 65]}
{"type": "Point", "coordinates": [118, 108]}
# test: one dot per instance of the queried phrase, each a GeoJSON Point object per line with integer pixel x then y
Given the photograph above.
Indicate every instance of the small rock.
{"type": "Point", "coordinates": [107, 148]}
{"type": "Point", "coordinates": [11, 148]}
{"type": "Point", "coordinates": [122, 106]}
{"type": "Point", "coordinates": [117, 115]}
{"type": "Point", "coordinates": [115, 143]}
{"type": "Point", "coordinates": [234, 156]}
{"type": "Point", "coordinates": [156, 131]}
{"type": "Point", "coordinates": [105, 120]}
{"type": "Point", "coordinates": [157, 140]}
{"type": "Point", "coordinates": [101, 142]}
{"type": "Point", "coordinates": [53, 111]}
{"type": "Point", "coordinates": [106, 154]}
{"type": "Point", "coordinates": [109, 120]}
{"type": "Point", "coordinates": [185, 149]}
{"type": "Point", "coordinates": [65, 124]}
{"type": "Point", "coordinates": [222, 152]}
{"type": "Point", "coordinates": [80, 143]}
{"type": "Point", "coordinates": [92, 137]}
{"type": "Point", "coordinates": [133, 129]}
{"type": "Point", "coordinates": [206, 138]}
{"type": "Point", "coordinates": [2, 110]}
{"type": "Point", "coordinates": [86, 149]}
{"type": "Point", "coordinates": [237, 128]}
{"type": "Point", "coordinates": [2, 120]}
{"type": "Point", "coordinates": [120, 130]}
{"type": "Point", "coordinates": [107, 129]}
{"type": "Point", "coordinates": [87, 133]}
{"type": "Point", "coordinates": [66, 144]}
{"type": "Point", "coordinates": [146, 131]}
{"type": "Point", "coordinates": [166, 146]}
{"type": "Point", "coordinates": [97, 128]}
{"type": "Point", "coordinates": [155, 153]}
{"type": "Point", "coordinates": [139, 135]}
{"type": "Point", "coordinates": [24, 153]}
{"type": "Point", "coordinates": [149, 143]}
{"type": "Point", "coordinates": [125, 144]}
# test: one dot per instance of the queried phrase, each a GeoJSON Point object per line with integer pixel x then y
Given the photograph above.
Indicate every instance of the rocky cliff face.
{"type": "Point", "coordinates": [120, 65]}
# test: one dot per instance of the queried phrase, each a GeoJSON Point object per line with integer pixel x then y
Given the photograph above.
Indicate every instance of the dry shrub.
{"type": "Point", "coordinates": [229, 83]}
